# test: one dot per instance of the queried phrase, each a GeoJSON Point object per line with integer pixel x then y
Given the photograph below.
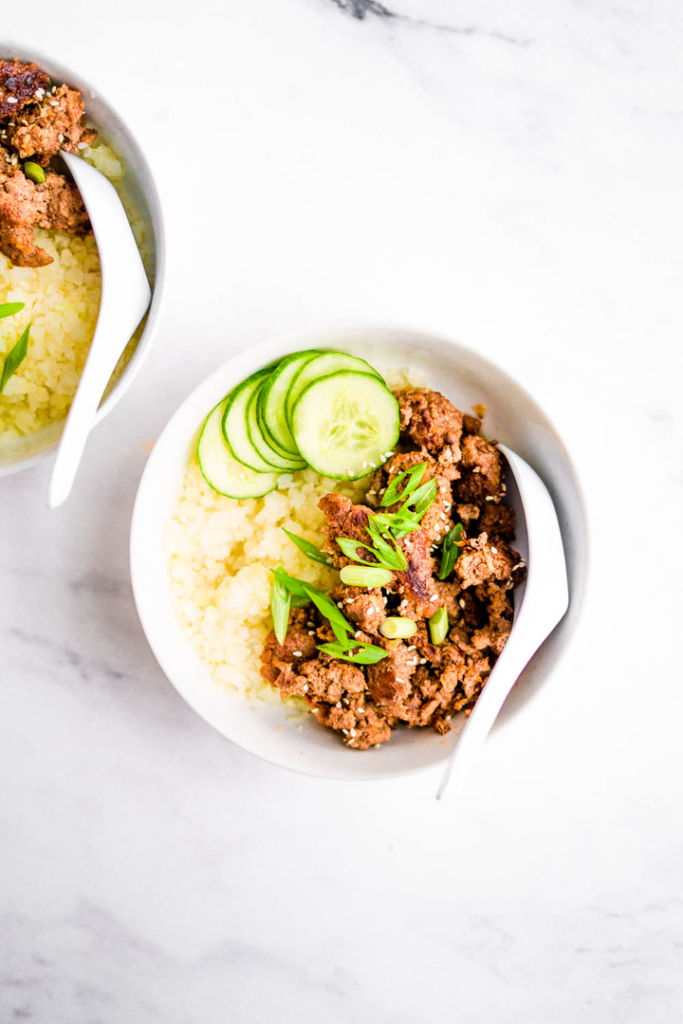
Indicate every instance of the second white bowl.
{"type": "Point", "coordinates": [513, 417]}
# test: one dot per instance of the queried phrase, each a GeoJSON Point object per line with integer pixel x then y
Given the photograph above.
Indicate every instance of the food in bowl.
{"type": "Point", "coordinates": [48, 258]}
{"type": "Point", "coordinates": [383, 549]}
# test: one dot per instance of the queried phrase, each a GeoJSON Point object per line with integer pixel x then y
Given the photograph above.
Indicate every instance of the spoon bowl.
{"type": "Point", "coordinates": [540, 603]}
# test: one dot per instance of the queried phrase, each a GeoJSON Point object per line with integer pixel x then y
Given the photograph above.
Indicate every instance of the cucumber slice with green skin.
{"type": "Point", "coordinates": [269, 453]}
{"type": "Point", "coordinates": [272, 400]}
{"type": "Point", "coordinates": [321, 365]}
{"type": "Point", "coordinates": [220, 469]}
{"type": "Point", "coordinates": [236, 428]}
{"type": "Point", "coordinates": [346, 424]}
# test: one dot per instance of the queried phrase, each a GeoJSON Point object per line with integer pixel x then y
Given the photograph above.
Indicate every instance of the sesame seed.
{"type": "Point", "coordinates": [400, 680]}
{"type": "Point", "coordinates": [372, 492]}
{"type": "Point", "coordinates": [412, 647]}
{"type": "Point", "coordinates": [382, 458]}
{"type": "Point", "coordinates": [352, 732]}
{"type": "Point", "coordinates": [297, 654]}
{"type": "Point", "coordinates": [338, 704]}
{"type": "Point", "coordinates": [349, 472]}
{"type": "Point", "coordinates": [494, 551]}
{"type": "Point", "coordinates": [404, 603]}
{"type": "Point", "coordinates": [60, 137]}
{"type": "Point", "coordinates": [461, 603]}
{"type": "Point", "coordinates": [423, 661]}
{"type": "Point", "coordinates": [345, 731]}
{"type": "Point", "coordinates": [315, 710]}
{"type": "Point", "coordinates": [311, 632]}
{"type": "Point", "coordinates": [490, 497]}
{"type": "Point", "coordinates": [304, 688]}
{"type": "Point", "coordinates": [388, 454]}
{"type": "Point", "coordinates": [349, 600]}
{"type": "Point", "coordinates": [443, 516]}
{"type": "Point", "coordinates": [340, 604]}
{"type": "Point", "coordinates": [11, 99]}
{"type": "Point", "coordinates": [363, 465]}
{"type": "Point", "coordinates": [357, 634]}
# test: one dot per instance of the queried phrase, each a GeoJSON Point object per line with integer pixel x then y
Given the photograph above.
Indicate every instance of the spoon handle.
{"type": "Point", "coordinates": [114, 328]}
{"type": "Point", "coordinates": [517, 653]}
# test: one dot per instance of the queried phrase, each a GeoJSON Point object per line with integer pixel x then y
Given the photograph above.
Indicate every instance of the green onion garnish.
{"type": "Point", "coordinates": [386, 556]}
{"type": "Point", "coordinates": [10, 308]}
{"type": "Point", "coordinates": [424, 498]}
{"type": "Point", "coordinates": [450, 551]}
{"type": "Point", "coordinates": [327, 608]}
{"type": "Point", "coordinates": [365, 576]}
{"type": "Point", "coordinates": [397, 628]}
{"type": "Point", "coordinates": [14, 359]}
{"type": "Point", "coordinates": [308, 549]}
{"type": "Point", "coordinates": [35, 172]}
{"type": "Point", "coordinates": [359, 654]}
{"type": "Point", "coordinates": [438, 626]}
{"type": "Point", "coordinates": [392, 494]}
{"type": "Point", "coordinates": [280, 602]}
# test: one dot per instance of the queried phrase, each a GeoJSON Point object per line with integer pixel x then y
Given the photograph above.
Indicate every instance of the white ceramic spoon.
{"type": "Point", "coordinates": [125, 297]}
{"type": "Point", "coordinates": [540, 603]}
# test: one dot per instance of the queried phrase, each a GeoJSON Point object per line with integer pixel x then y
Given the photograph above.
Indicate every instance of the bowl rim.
{"type": "Point", "coordinates": [282, 344]}
{"type": "Point", "coordinates": [12, 48]}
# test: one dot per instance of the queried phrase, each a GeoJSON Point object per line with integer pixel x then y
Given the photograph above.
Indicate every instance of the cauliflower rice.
{"type": "Point", "coordinates": [61, 302]}
{"type": "Point", "coordinates": [220, 552]}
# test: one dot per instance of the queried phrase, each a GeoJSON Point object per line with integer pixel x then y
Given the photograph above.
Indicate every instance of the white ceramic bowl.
{"type": "Point", "coordinates": [140, 187]}
{"type": "Point", "coordinates": [513, 417]}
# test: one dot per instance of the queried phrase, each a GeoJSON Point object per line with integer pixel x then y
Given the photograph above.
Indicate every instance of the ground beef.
{"type": "Point", "coordinates": [344, 519]}
{"type": "Point", "coordinates": [45, 128]}
{"type": "Point", "coordinates": [365, 608]}
{"type": "Point", "coordinates": [418, 683]}
{"type": "Point", "coordinates": [428, 419]}
{"type": "Point", "coordinates": [20, 84]}
{"type": "Point", "coordinates": [40, 123]}
{"type": "Point", "coordinates": [25, 206]}
{"type": "Point", "coordinates": [481, 471]}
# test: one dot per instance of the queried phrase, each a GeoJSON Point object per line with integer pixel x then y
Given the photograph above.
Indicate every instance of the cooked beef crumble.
{"type": "Point", "coordinates": [418, 683]}
{"type": "Point", "coordinates": [36, 121]}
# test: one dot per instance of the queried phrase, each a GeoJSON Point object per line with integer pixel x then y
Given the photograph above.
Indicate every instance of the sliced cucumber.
{"type": "Point", "coordinates": [235, 426]}
{"type": "Point", "coordinates": [263, 444]}
{"type": "Point", "coordinates": [321, 365]}
{"type": "Point", "coordinates": [272, 400]}
{"type": "Point", "coordinates": [220, 469]}
{"type": "Point", "coordinates": [346, 424]}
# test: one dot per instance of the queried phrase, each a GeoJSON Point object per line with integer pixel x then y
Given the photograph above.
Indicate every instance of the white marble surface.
{"type": "Point", "coordinates": [508, 172]}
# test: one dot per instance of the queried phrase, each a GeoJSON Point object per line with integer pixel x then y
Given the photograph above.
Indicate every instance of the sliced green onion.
{"type": "Point", "coordinates": [397, 628]}
{"type": "Point", "coordinates": [10, 308]}
{"type": "Point", "coordinates": [392, 494]}
{"type": "Point", "coordinates": [365, 576]}
{"type": "Point", "coordinates": [35, 172]}
{"type": "Point", "coordinates": [389, 560]}
{"type": "Point", "coordinates": [424, 498]}
{"type": "Point", "coordinates": [291, 583]}
{"type": "Point", "coordinates": [14, 359]}
{"type": "Point", "coordinates": [450, 551]}
{"type": "Point", "coordinates": [438, 626]}
{"type": "Point", "coordinates": [327, 608]}
{"type": "Point", "coordinates": [308, 549]}
{"type": "Point", "coordinates": [280, 602]}
{"type": "Point", "coordinates": [363, 654]}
